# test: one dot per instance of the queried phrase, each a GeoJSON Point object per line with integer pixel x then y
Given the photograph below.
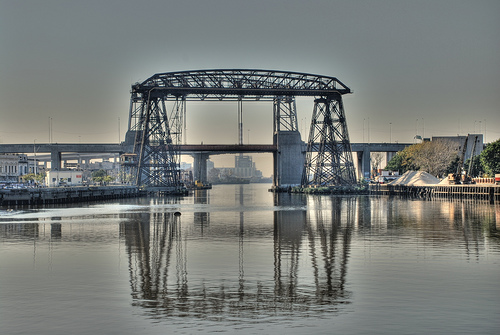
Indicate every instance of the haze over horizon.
{"type": "Point", "coordinates": [426, 68]}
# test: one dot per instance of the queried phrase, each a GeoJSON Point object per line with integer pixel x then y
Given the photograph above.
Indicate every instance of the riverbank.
{"type": "Point", "coordinates": [489, 192]}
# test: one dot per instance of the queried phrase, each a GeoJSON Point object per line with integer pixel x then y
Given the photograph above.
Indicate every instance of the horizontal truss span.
{"type": "Point", "coordinates": [238, 84]}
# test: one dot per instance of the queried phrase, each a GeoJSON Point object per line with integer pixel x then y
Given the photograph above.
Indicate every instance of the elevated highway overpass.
{"type": "Point", "coordinates": [70, 151]}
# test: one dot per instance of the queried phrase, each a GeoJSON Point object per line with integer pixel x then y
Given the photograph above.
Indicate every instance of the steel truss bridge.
{"type": "Point", "coordinates": [158, 112]}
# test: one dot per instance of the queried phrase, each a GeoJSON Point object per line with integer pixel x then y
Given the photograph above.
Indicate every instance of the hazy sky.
{"type": "Point", "coordinates": [427, 67]}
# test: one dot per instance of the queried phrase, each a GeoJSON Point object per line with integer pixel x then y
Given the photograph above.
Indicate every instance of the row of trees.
{"type": "Point", "coordinates": [34, 178]}
{"type": "Point", "coordinates": [442, 157]}
{"type": "Point", "coordinates": [102, 177]}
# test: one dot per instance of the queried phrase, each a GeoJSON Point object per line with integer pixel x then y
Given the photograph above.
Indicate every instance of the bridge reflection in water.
{"type": "Point", "coordinates": [309, 253]}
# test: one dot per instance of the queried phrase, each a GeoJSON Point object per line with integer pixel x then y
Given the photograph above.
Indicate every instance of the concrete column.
{"type": "Point", "coordinates": [289, 160]}
{"type": "Point", "coordinates": [389, 155]}
{"type": "Point", "coordinates": [366, 169]}
{"type": "Point", "coordinates": [200, 167]}
{"type": "Point", "coordinates": [359, 165]}
{"type": "Point", "coordinates": [55, 159]}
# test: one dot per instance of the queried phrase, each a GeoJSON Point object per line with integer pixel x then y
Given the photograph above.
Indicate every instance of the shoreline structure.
{"type": "Point", "coordinates": [416, 185]}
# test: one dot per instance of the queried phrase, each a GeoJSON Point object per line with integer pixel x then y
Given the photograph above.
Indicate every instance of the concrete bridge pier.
{"type": "Point", "coordinates": [288, 159]}
{"type": "Point", "coordinates": [200, 167]}
{"type": "Point", "coordinates": [389, 155]}
{"type": "Point", "coordinates": [55, 159]}
{"type": "Point", "coordinates": [363, 163]}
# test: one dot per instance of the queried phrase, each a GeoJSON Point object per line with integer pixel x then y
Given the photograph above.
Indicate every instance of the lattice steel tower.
{"type": "Point", "coordinates": [158, 134]}
{"type": "Point", "coordinates": [329, 155]}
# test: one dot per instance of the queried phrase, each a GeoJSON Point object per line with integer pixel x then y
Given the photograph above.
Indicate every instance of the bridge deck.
{"type": "Point", "coordinates": [220, 148]}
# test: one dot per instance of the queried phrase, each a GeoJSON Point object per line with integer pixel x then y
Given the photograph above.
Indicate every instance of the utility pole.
{"type": "Point", "coordinates": [240, 120]}
{"type": "Point", "coordinates": [34, 154]}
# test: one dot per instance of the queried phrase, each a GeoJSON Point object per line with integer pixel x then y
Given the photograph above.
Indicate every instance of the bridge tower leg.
{"type": "Point", "coordinates": [200, 167]}
{"type": "Point", "coordinates": [289, 158]}
{"type": "Point", "coordinates": [158, 135]}
{"type": "Point", "coordinates": [328, 157]}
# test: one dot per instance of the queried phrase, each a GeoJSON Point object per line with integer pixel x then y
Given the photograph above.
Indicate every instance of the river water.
{"type": "Point", "coordinates": [239, 259]}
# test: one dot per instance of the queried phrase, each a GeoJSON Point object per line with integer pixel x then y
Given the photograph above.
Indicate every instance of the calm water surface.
{"type": "Point", "coordinates": [241, 260]}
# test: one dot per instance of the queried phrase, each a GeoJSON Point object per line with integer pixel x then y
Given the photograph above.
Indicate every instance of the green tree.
{"type": "Point", "coordinates": [108, 179]}
{"type": "Point", "coordinates": [29, 177]}
{"type": "Point", "coordinates": [38, 178]}
{"type": "Point", "coordinates": [396, 163]}
{"type": "Point", "coordinates": [99, 176]}
{"type": "Point", "coordinates": [402, 161]}
{"type": "Point", "coordinates": [490, 158]}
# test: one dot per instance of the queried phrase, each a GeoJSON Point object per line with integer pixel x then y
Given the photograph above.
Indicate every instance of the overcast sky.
{"type": "Point", "coordinates": [416, 67]}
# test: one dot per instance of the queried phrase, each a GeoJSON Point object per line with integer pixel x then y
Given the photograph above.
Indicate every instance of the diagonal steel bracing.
{"type": "Point", "coordinates": [158, 136]}
{"type": "Point", "coordinates": [328, 157]}
{"type": "Point", "coordinates": [285, 114]}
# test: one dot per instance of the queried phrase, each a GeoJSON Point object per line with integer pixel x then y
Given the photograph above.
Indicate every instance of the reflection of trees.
{"type": "Point", "coordinates": [158, 265]}
{"type": "Point", "coordinates": [440, 222]}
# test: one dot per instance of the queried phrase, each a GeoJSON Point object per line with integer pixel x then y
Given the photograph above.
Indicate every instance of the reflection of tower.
{"type": "Point", "coordinates": [329, 239]}
{"type": "Point", "coordinates": [151, 240]}
{"type": "Point", "coordinates": [364, 212]}
{"type": "Point", "coordinates": [241, 277]}
{"type": "Point", "coordinates": [157, 253]}
{"type": "Point", "coordinates": [55, 231]}
{"type": "Point", "coordinates": [334, 235]}
{"type": "Point", "coordinates": [201, 219]}
{"type": "Point", "coordinates": [288, 232]}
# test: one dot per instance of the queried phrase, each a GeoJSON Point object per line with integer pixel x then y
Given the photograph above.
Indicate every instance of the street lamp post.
{"type": "Point", "coordinates": [34, 154]}
{"type": "Point", "coordinates": [390, 132]}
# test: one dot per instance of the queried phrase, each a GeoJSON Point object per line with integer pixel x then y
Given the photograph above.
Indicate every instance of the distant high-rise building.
{"type": "Point", "coordinates": [243, 166]}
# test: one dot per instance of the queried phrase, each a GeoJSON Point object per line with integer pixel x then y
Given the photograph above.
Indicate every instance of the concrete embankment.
{"type": "Point", "coordinates": [53, 195]}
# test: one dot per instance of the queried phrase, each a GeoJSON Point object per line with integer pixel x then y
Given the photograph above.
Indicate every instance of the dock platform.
{"type": "Point", "coordinates": [55, 195]}
{"type": "Point", "coordinates": [488, 192]}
